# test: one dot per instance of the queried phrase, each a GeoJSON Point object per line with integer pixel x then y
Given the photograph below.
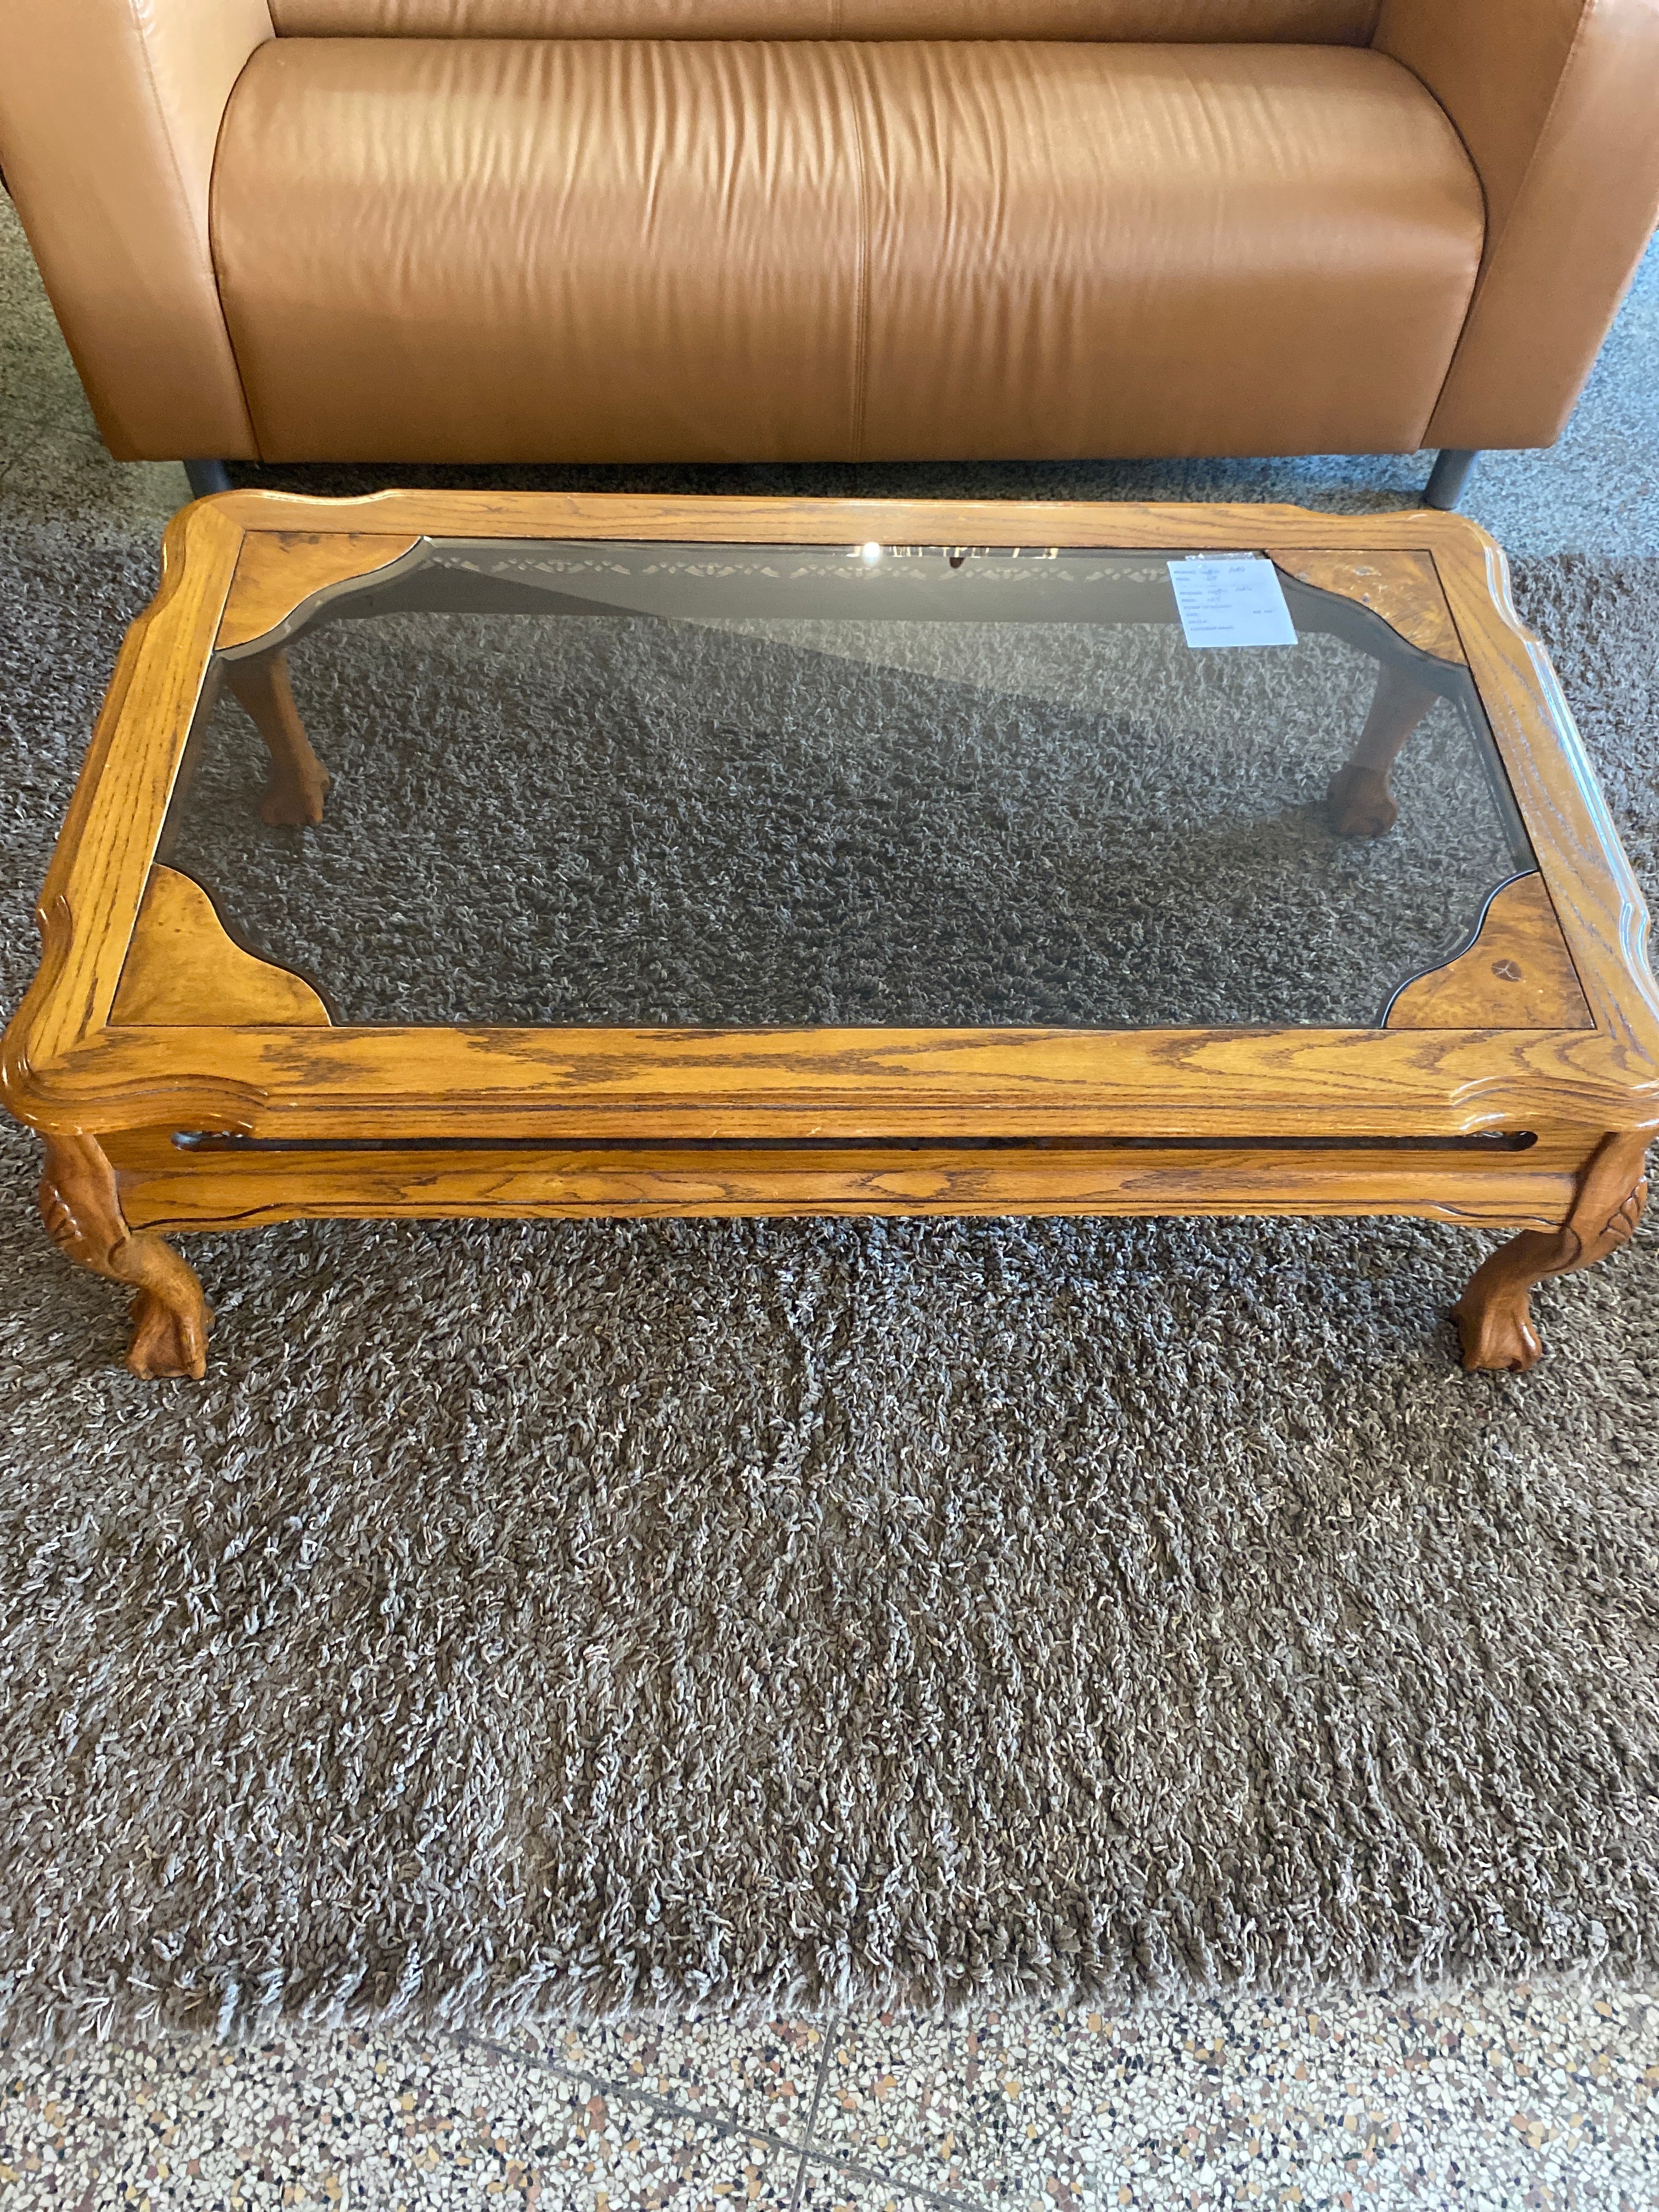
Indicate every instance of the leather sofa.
{"type": "Point", "coordinates": [630, 230]}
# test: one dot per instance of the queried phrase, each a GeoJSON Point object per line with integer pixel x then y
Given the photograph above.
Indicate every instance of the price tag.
{"type": "Point", "coordinates": [1231, 601]}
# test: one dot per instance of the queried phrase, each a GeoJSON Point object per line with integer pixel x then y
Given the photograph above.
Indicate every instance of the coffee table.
{"type": "Point", "coordinates": [720, 857]}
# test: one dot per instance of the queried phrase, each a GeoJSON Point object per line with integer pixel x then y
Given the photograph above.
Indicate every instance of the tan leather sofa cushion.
{"type": "Point", "coordinates": [627, 251]}
{"type": "Point", "coordinates": [1311, 22]}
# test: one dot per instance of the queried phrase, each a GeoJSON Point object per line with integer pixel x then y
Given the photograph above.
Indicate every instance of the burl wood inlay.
{"type": "Point", "coordinates": [1494, 1314]}
{"type": "Point", "coordinates": [1517, 974]}
{"type": "Point", "coordinates": [81, 1206]}
{"type": "Point", "coordinates": [1403, 588]}
{"type": "Point", "coordinates": [182, 969]}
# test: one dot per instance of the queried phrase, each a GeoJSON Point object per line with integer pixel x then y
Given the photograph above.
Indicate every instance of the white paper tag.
{"type": "Point", "coordinates": [1231, 602]}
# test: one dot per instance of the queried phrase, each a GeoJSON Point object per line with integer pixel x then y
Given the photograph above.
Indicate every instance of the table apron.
{"type": "Point", "coordinates": [163, 1186]}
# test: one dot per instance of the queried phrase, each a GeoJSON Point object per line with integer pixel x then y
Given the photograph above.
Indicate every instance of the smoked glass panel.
{"type": "Point", "coordinates": [635, 785]}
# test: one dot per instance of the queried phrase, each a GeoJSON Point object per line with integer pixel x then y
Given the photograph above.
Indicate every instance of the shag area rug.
{"type": "Point", "coordinates": [778, 1615]}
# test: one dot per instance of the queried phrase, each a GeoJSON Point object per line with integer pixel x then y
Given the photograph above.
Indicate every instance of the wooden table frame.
{"type": "Point", "coordinates": [1418, 1118]}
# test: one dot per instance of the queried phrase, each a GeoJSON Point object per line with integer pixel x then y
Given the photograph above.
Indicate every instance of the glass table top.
{"type": "Point", "coordinates": [639, 784]}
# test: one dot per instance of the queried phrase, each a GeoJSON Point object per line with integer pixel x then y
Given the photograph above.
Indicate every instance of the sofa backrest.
{"type": "Point", "coordinates": [1310, 22]}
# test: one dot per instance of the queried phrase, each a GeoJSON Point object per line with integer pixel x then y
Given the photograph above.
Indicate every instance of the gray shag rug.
{"type": "Point", "coordinates": [775, 1615]}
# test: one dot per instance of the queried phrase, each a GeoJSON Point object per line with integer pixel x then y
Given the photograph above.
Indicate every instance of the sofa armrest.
{"type": "Point", "coordinates": [1556, 101]}
{"type": "Point", "coordinates": [109, 114]}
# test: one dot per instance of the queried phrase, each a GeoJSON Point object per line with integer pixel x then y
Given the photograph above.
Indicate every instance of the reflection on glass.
{"type": "Point", "coordinates": [637, 784]}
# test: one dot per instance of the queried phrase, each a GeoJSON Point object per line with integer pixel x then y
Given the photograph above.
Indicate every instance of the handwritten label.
{"type": "Point", "coordinates": [1231, 602]}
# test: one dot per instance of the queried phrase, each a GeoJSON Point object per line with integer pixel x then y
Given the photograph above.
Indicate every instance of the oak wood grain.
{"type": "Point", "coordinates": [1520, 957]}
{"type": "Point", "coordinates": [65, 1068]}
{"type": "Point", "coordinates": [183, 968]}
{"type": "Point", "coordinates": [665, 1084]}
{"type": "Point", "coordinates": [719, 519]}
{"type": "Point", "coordinates": [1401, 586]}
{"type": "Point", "coordinates": [1494, 1314]}
{"type": "Point", "coordinates": [80, 1206]}
{"type": "Point", "coordinates": [1597, 901]}
{"type": "Point", "coordinates": [163, 1187]}
{"type": "Point", "coordinates": [77, 1064]}
{"type": "Point", "coordinates": [101, 864]}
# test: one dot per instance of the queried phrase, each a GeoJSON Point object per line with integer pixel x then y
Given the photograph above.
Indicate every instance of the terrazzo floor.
{"type": "Point", "coordinates": [1514, 2099]}
{"type": "Point", "coordinates": [1517, 2098]}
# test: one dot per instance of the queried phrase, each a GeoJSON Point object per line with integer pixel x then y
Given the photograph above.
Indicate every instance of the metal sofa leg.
{"type": "Point", "coordinates": [1451, 473]}
{"type": "Point", "coordinates": [207, 476]}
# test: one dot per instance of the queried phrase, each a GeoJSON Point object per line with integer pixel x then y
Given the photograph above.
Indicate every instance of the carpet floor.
{"type": "Point", "coordinates": [791, 1616]}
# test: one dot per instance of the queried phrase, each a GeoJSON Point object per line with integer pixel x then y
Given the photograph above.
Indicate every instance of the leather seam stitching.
{"type": "Point", "coordinates": [213, 266]}
{"type": "Point", "coordinates": [135, 20]}
{"type": "Point", "coordinates": [861, 294]}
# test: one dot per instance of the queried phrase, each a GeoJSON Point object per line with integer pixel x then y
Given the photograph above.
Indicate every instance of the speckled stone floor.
{"type": "Point", "coordinates": [1517, 2101]}
{"type": "Point", "coordinates": [1517, 2098]}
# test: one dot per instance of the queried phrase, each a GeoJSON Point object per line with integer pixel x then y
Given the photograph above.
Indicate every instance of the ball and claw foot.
{"type": "Point", "coordinates": [1360, 803]}
{"type": "Point", "coordinates": [169, 1339]}
{"type": "Point", "coordinates": [298, 782]}
{"type": "Point", "coordinates": [293, 798]}
{"type": "Point", "coordinates": [1494, 1314]}
{"type": "Point", "coordinates": [80, 1204]}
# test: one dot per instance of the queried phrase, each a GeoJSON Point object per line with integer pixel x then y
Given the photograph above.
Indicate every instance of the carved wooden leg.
{"type": "Point", "coordinates": [298, 781]}
{"type": "Point", "coordinates": [1494, 1314]}
{"type": "Point", "coordinates": [1360, 802]}
{"type": "Point", "coordinates": [81, 1208]}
